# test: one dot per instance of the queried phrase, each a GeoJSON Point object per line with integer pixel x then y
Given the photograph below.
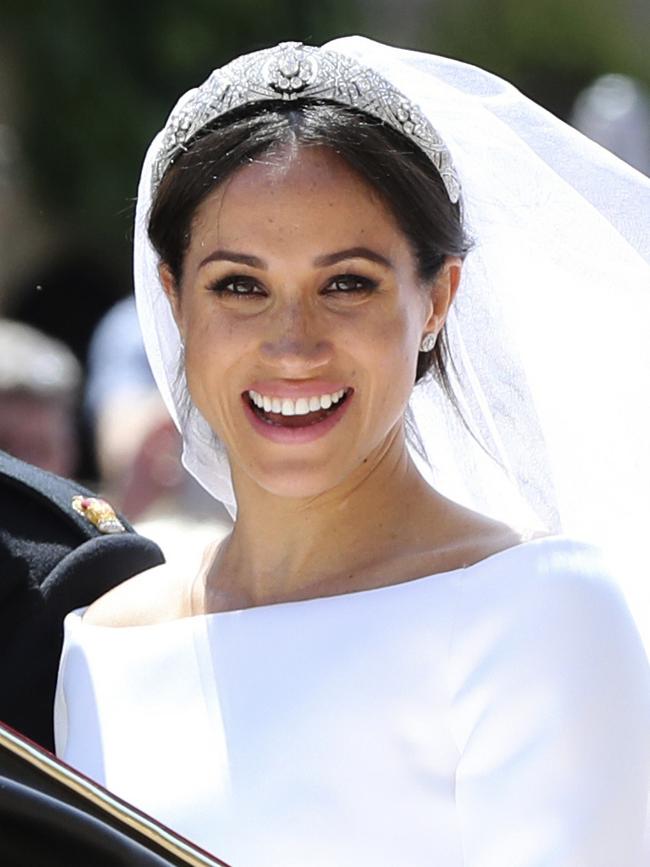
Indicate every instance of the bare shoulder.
{"type": "Point", "coordinates": [152, 596]}
{"type": "Point", "coordinates": [485, 537]}
{"type": "Point", "coordinates": [472, 537]}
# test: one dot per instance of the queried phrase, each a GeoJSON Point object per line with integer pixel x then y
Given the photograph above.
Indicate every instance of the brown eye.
{"type": "Point", "coordinates": [351, 283]}
{"type": "Point", "coordinates": [238, 287]}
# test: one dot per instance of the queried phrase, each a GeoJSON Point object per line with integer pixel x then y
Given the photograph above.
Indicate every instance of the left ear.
{"type": "Point", "coordinates": [441, 293]}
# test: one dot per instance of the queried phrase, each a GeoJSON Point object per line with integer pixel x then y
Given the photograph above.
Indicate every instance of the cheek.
{"type": "Point", "coordinates": [399, 335]}
{"type": "Point", "coordinates": [392, 350]}
{"type": "Point", "coordinates": [205, 353]}
{"type": "Point", "coordinates": [208, 332]}
{"type": "Point", "coordinates": [218, 348]}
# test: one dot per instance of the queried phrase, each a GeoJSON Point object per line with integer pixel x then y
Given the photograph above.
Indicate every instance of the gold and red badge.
{"type": "Point", "coordinates": [100, 514]}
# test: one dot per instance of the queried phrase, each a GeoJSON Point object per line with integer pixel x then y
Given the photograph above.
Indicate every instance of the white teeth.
{"type": "Point", "coordinates": [301, 406]}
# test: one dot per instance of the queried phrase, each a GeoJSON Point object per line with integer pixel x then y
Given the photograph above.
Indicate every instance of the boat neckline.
{"type": "Point", "coordinates": [192, 619]}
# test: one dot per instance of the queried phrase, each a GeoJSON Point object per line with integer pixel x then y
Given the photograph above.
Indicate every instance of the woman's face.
{"type": "Point", "coordinates": [301, 293]}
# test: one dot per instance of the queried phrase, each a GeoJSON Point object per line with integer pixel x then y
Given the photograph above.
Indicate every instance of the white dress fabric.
{"type": "Point", "coordinates": [491, 716]}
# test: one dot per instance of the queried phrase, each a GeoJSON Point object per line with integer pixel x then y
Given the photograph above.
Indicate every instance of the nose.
{"type": "Point", "coordinates": [296, 340]}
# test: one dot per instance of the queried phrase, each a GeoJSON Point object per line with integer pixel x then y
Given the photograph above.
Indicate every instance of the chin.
{"type": "Point", "coordinates": [298, 484]}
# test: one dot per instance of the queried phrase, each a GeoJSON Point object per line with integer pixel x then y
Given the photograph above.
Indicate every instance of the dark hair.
{"type": "Point", "coordinates": [392, 164]}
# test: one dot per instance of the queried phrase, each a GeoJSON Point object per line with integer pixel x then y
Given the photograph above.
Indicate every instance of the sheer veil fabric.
{"type": "Point", "coordinates": [550, 331]}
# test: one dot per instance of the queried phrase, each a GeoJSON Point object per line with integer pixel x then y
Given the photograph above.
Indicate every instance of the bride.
{"type": "Point", "coordinates": [388, 660]}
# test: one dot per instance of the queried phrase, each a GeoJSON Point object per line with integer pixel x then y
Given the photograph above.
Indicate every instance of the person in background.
{"type": "Point", "coordinates": [137, 445]}
{"type": "Point", "coordinates": [40, 381]}
{"type": "Point", "coordinates": [118, 392]}
{"type": "Point", "coordinates": [53, 558]}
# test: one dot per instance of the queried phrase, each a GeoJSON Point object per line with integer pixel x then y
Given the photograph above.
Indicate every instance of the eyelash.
{"type": "Point", "coordinates": [223, 287]}
{"type": "Point", "coordinates": [220, 287]}
{"type": "Point", "coordinates": [363, 284]}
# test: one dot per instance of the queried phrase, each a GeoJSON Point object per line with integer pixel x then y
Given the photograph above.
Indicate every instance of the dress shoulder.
{"type": "Point", "coordinates": [550, 710]}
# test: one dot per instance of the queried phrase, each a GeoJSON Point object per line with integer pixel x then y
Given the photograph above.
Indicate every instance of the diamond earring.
{"type": "Point", "coordinates": [428, 342]}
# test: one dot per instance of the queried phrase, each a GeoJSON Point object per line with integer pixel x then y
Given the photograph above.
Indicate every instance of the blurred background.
{"type": "Point", "coordinates": [83, 88]}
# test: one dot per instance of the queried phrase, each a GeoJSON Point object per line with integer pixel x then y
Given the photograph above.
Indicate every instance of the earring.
{"type": "Point", "coordinates": [428, 342]}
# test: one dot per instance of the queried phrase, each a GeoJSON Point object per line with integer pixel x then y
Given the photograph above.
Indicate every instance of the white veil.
{"type": "Point", "coordinates": [550, 332]}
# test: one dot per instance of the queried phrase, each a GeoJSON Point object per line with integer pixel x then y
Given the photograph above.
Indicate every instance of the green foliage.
{"type": "Point", "coordinates": [550, 49]}
{"type": "Point", "coordinates": [99, 78]}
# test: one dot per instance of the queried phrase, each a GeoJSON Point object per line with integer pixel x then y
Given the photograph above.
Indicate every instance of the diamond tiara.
{"type": "Point", "coordinates": [292, 71]}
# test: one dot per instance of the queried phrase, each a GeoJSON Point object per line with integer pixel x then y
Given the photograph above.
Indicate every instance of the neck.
{"type": "Point", "coordinates": [283, 549]}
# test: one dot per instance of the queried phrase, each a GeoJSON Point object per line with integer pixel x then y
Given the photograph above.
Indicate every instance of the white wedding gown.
{"type": "Point", "coordinates": [492, 716]}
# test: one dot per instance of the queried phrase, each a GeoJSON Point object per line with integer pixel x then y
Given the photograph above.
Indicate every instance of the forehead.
{"type": "Point", "coordinates": [305, 194]}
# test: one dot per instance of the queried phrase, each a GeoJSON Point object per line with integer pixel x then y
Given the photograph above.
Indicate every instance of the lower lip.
{"type": "Point", "coordinates": [296, 435]}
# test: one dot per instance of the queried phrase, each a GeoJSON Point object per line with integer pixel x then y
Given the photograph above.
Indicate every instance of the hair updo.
{"type": "Point", "coordinates": [402, 175]}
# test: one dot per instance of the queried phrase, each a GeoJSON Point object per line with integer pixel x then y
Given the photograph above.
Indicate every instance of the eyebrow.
{"type": "Point", "coordinates": [320, 261]}
{"type": "Point", "coordinates": [352, 253]}
{"type": "Point", "coordinates": [231, 256]}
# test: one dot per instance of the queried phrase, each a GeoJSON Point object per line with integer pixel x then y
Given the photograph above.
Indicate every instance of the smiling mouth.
{"type": "Point", "coordinates": [303, 412]}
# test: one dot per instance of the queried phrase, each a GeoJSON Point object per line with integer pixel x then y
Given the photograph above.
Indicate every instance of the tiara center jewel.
{"type": "Point", "coordinates": [292, 71]}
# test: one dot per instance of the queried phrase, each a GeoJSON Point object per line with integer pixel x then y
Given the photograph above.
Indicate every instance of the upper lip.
{"type": "Point", "coordinates": [296, 388]}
